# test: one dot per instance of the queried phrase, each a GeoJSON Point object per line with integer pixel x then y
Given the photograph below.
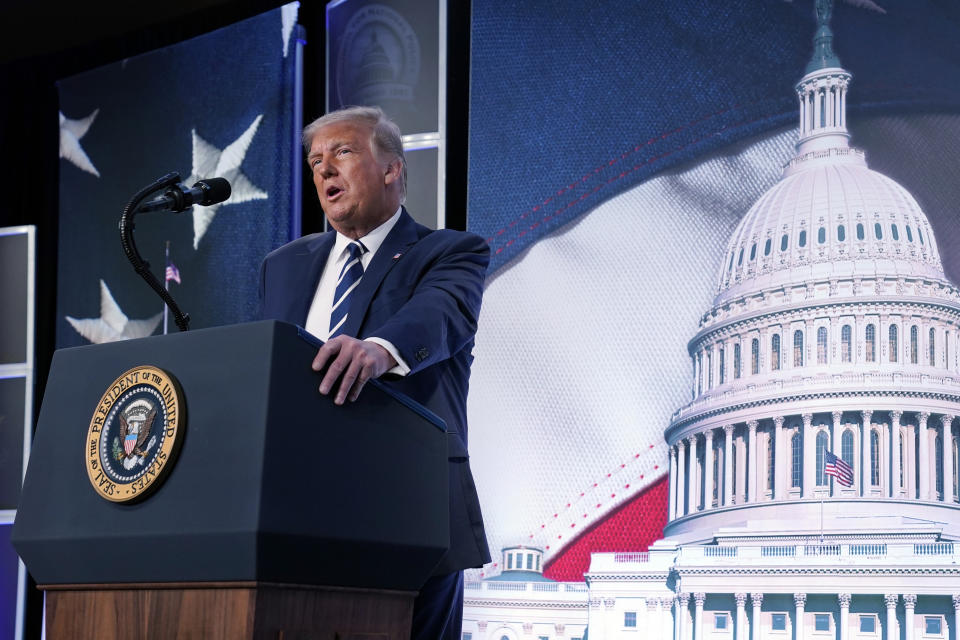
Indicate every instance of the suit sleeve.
{"type": "Point", "coordinates": [440, 316]}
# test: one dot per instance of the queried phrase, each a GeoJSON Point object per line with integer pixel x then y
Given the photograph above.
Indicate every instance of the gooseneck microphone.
{"type": "Point", "coordinates": [176, 197]}
{"type": "Point", "coordinates": [179, 198]}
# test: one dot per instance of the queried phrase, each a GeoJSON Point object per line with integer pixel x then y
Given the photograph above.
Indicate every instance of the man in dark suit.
{"type": "Point", "coordinates": [394, 299]}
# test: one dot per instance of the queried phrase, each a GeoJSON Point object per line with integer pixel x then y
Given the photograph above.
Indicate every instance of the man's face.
{"type": "Point", "coordinates": [356, 186]}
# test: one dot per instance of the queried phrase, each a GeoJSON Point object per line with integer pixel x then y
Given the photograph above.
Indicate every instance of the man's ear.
{"type": "Point", "coordinates": [394, 172]}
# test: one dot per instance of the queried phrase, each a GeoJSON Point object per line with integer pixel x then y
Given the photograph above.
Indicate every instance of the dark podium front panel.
{"type": "Point", "coordinates": [273, 482]}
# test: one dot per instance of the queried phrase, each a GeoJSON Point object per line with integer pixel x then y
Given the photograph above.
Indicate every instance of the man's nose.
{"type": "Point", "coordinates": [327, 168]}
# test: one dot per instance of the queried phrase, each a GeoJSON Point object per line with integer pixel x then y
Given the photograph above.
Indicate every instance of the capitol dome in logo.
{"type": "Point", "coordinates": [379, 58]}
{"type": "Point", "coordinates": [834, 331]}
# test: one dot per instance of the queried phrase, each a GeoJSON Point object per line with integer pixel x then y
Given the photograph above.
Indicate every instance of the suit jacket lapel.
{"type": "Point", "coordinates": [305, 275]}
{"type": "Point", "coordinates": [403, 235]}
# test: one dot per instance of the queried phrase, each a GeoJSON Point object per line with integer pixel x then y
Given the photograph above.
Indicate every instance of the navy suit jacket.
{"type": "Point", "coordinates": [421, 291]}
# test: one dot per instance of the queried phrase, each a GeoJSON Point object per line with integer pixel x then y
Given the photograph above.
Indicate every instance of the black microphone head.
{"type": "Point", "coordinates": [214, 190]}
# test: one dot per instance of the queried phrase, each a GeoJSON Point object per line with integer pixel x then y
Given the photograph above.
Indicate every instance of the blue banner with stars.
{"type": "Point", "coordinates": [222, 104]}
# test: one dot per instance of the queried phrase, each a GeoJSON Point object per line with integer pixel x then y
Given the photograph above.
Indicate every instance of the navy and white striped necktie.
{"type": "Point", "coordinates": [349, 278]}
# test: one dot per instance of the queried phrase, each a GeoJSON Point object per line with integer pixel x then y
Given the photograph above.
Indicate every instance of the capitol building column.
{"type": "Point", "coordinates": [697, 376]}
{"type": "Point", "coordinates": [844, 600]}
{"type": "Point", "coordinates": [698, 599]}
{"type": "Point", "coordinates": [895, 453]}
{"type": "Point", "coordinates": [946, 438]}
{"type": "Point", "coordinates": [833, 95]}
{"type": "Point", "coordinates": [866, 417]}
{"type": "Point", "coordinates": [809, 455]}
{"type": "Point", "coordinates": [843, 103]}
{"type": "Point", "coordinates": [740, 632]}
{"type": "Point", "coordinates": [803, 112]}
{"type": "Point", "coordinates": [681, 475]}
{"type": "Point", "coordinates": [610, 617]}
{"type": "Point", "coordinates": [672, 501]}
{"type": "Point", "coordinates": [728, 465]}
{"type": "Point", "coordinates": [891, 600]}
{"type": "Point", "coordinates": [693, 484]}
{"type": "Point", "coordinates": [781, 472]}
{"type": "Point", "coordinates": [752, 461]}
{"type": "Point", "coordinates": [666, 619]}
{"type": "Point", "coordinates": [683, 602]}
{"type": "Point", "coordinates": [740, 473]}
{"type": "Point", "coordinates": [597, 620]}
{"type": "Point", "coordinates": [835, 444]}
{"type": "Point", "coordinates": [707, 469]}
{"type": "Point", "coordinates": [800, 600]}
{"type": "Point", "coordinates": [911, 456]}
{"type": "Point", "coordinates": [654, 617]}
{"type": "Point", "coordinates": [956, 613]}
{"type": "Point", "coordinates": [924, 455]}
{"type": "Point", "coordinates": [909, 603]}
{"type": "Point", "coordinates": [756, 599]}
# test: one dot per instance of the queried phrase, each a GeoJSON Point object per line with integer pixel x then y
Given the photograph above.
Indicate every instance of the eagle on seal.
{"type": "Point", "coordinates": [135, 428]}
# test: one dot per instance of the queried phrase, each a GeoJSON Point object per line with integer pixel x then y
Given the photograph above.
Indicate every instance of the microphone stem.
{"type": "Point", "coordinates": [130, 247]}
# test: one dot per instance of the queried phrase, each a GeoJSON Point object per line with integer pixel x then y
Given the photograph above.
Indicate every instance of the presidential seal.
{"type": "Point", "coordinates": [135, 434]}
{"type": "Point", "coordinates": [378, 59]}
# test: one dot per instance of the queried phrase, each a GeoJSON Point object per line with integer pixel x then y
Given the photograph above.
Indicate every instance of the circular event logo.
{"type": "Point", "coordinates": [378, 58]}
{"type": "Point", "coordinates": [135, 434]}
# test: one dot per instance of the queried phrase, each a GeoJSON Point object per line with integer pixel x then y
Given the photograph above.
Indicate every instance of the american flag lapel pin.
{"type": "Point", "coordinates": [397, 255]}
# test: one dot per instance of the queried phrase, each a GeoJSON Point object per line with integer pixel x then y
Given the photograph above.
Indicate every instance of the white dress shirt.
{"type": "Point", "coordinates": [318, 318]}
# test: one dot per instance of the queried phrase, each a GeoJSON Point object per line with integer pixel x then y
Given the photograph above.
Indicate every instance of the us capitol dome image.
{"type": "Point", "coordinates": [813, 486]}
{"type": "Point", "coordinates": [813, 475]}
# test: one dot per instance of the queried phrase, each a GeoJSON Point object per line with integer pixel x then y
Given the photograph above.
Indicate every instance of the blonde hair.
{"type": "Point", "coordinates": [386, 133]}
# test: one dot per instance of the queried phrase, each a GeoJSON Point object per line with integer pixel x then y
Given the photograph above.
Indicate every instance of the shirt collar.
{"type": "Point", "coordinates": [372, 240]}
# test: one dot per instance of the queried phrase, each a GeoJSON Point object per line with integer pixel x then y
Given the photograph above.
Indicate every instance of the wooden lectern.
{"type": "Point", "coordinates": [284, 516]}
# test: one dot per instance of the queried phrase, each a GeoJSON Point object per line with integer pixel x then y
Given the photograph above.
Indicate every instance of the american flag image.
{"type": "Point", "coordinates": [839, 469]}
{"type": "Point", "coordinates": [173, 273]}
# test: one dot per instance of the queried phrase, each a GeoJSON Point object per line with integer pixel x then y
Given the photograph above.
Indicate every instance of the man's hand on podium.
{"type": "Point", "coordinates": [353, 362]}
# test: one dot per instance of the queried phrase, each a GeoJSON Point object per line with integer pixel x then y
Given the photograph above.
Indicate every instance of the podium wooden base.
{"type": "Point", "coordinates": [225, 611]}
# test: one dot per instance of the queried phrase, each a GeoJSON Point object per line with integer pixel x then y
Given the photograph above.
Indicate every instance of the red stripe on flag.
{"type": "Point", "coordinates": [632, 527]}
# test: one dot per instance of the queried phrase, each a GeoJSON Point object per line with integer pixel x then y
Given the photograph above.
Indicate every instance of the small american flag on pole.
{"type": "Point", "coordinates": [839, 469]}
{"type": "Point", "coordinates": [173, 273]}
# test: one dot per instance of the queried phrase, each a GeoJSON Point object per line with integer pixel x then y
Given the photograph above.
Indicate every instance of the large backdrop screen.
{"type": "Point", "coordinates": [613, 149]}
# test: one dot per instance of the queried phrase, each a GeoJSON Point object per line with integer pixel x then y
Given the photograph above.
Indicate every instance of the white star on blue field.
{"type": "Point", "coordinates": [113, 324]}
{"type": "Point", "coordinates": [209, 161]}
{"type": "Point", "coordinates": [71, 132]}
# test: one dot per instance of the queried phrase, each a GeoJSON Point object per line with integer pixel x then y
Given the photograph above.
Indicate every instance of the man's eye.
{"type": "Point", "coordinates": [343, 151]}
